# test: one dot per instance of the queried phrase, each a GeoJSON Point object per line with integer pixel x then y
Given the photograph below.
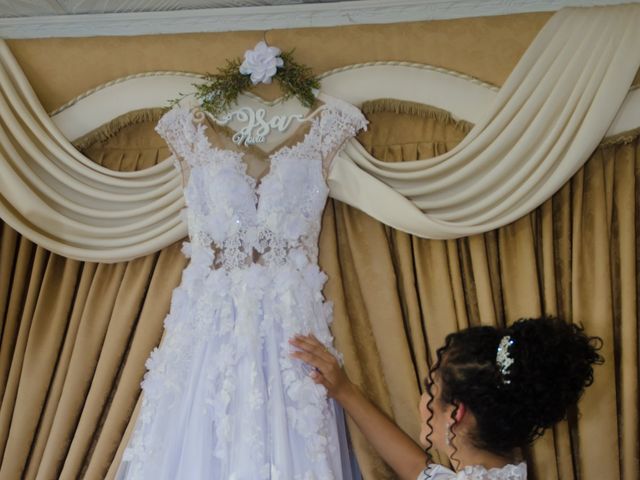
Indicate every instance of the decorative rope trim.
{"type": "Point", "coordinates": [169, 73]}
{"type": "Point", "coordinates": [621, 138]}
{"type": "Point", "coordinates": [391, 105]}
{"type": "Point", "coordinates": [112, 128]}
{"type": "Point", "coordinates": [421, 66]}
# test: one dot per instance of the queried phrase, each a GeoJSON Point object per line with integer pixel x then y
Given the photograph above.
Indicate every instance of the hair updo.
{"type": "Point", "coordinates": [552, 364]}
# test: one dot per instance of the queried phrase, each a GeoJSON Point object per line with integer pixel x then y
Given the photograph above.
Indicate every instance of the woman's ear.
{"type": "Point", "coordinates": [460, 412]}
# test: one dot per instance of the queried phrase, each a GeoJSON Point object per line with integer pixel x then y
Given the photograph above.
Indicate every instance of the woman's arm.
{"type": "Point", "coordinates": [393, 445]}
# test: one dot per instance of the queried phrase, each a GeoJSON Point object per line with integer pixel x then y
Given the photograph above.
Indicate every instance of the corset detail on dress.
{"type": "Point", "coordinates": [233, 222]}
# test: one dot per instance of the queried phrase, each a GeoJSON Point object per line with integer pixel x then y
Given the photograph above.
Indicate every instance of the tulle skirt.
{"type": "Point", "coordinates": [222, 399]}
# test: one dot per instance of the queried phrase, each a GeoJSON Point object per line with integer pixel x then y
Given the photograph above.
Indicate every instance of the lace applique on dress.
{"type": "Point", "coordinates": [222, 399]}
{"type": "Point", "coordinates": [475, 472]}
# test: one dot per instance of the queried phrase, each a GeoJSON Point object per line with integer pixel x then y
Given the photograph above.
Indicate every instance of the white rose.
{"type": "Point", "coordinates": [261, 63]}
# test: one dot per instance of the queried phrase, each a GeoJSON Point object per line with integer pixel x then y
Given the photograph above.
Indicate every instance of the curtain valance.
{"type": "Point", "coordinates": [551, 113]}
{"type": "Point", "coordinates": [547, 119]}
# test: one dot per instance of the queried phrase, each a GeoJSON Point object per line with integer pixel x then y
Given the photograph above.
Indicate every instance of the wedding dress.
{"type": "Point", "coordinates": [222, 399]}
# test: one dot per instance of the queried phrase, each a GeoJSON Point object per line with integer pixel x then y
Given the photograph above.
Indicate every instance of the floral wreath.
{"type": "Point", "coordinates": [262, 64]}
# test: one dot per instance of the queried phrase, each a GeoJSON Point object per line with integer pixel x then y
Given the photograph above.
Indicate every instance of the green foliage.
{"type": "Point", "coordinates": [221, 90]}
{"type": "Point", "coordinates": [297, 80]}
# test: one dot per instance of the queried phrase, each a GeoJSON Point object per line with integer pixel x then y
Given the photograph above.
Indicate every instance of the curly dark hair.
{"type": "Point", "coordinates": [553, 364]}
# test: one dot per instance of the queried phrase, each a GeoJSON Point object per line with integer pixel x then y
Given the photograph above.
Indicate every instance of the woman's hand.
{"type": "Point", "coordinates": [395, 446]}
{"type": "Point", "coordinates": [327, 370]}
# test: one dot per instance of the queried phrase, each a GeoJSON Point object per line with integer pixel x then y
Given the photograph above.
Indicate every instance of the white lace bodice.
{"type": "Point", "coordinates": [232, 221]}
{"type": "Point", "coordinates": [475, 472]}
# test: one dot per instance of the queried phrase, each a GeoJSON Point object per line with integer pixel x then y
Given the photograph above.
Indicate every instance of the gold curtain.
{"type": "Point", "coordinates": [75, 335]}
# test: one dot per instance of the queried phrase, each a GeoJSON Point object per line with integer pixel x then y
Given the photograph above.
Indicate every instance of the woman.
{"type": "Point", "coordinates": [490, 392]}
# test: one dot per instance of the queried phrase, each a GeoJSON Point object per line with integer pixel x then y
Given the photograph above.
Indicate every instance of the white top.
{"type": "Point", "coordinates": [475, 472]}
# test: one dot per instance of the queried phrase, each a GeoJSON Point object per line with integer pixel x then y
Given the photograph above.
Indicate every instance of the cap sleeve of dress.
{"type": "Point", "coordinates": [340, 123]}
{"type": "Point", "coordinates": [179, 131]}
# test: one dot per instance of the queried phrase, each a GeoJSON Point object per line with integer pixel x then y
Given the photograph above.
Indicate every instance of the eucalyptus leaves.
{"type": "Point", "coordinates": [220, 91]}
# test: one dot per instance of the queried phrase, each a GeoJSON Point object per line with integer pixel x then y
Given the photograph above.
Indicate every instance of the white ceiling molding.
{"type": "Point", "coordinates": [32, 8]}
{"type": "Point", "coordinates": [465, 97]}
{"type": "Point", "coordinates": [273, 16]}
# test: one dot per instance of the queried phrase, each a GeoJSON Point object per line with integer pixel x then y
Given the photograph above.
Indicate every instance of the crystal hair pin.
{"type": "Point", "coordinates": [503, 358]}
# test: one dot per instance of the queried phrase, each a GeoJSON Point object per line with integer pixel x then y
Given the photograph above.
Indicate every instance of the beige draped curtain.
{"type": "Point", "coordinates": [547, 118]}
{"type": "Point", "coordinates": [74, 339]}
{"type": "Point", "coordinates": [63, 201]}
{"type": "Point", "coordinates": [76, 334]}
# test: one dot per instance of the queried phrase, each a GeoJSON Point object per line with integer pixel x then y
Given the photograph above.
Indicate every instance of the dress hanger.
{"type": "Point", "coordinates": [253, 125]}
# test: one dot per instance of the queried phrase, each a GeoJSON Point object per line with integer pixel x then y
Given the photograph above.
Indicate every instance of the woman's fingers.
{"type": "Point", "coordinates": [321, 374]}
{"type": "Point", "coordinates": [314, 353]}
{"type": "Point", "coordinates": [327, 370]}
{"type": "Point", "coordinates": [307, 342]}
{"type": "Point", "coordinates": [319, 378]}
{"type": "Point", "coordinates": [312, 359]}
{"type": "Point", "coordinates": [311, 344]}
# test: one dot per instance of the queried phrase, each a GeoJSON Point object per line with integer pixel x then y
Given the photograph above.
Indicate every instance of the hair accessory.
{"type": "Point", "coordinates": [503, 359]}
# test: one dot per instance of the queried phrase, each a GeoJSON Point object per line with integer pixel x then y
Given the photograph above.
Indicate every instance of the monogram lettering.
{"type": "Point", "coordinates": [258, 127]}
